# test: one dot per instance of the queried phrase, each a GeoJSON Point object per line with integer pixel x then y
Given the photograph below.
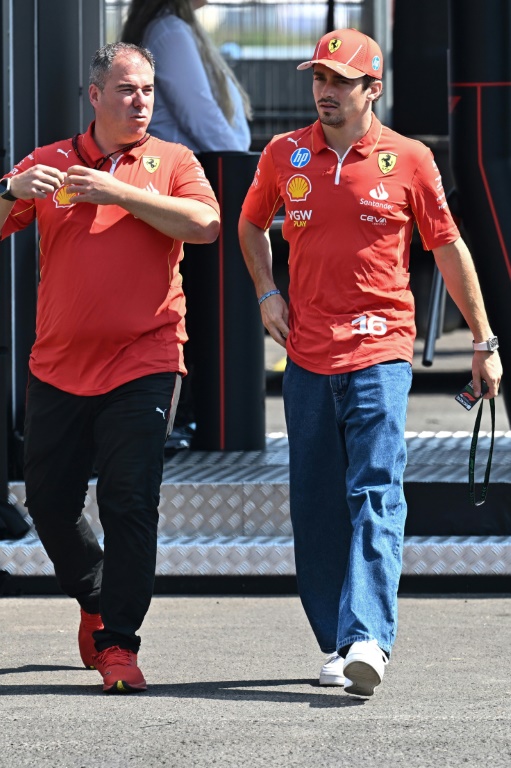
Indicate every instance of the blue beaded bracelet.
{"type": "Point", "coordinates": [266, 295]}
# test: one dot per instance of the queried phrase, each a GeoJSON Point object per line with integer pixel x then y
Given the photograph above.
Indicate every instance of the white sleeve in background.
{"type": "Point", "coordinates": [185, 109]}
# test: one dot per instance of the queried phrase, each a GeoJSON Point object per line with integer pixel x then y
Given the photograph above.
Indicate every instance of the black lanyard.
{"type": "Point", "coordinates": [472, 458]}
{"type": "Point", "coordinates": [102, 160]}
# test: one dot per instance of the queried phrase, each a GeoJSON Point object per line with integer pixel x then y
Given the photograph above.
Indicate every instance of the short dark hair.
{"type": "Point", "coordinates": [103, 59]}
{"type": "Point", "coordinates": [367, 82]}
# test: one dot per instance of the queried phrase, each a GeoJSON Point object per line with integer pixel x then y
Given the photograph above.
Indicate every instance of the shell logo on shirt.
{"type": "Point", "coordinates": [62, 198]}
{"type": "Point", "coordinates": [298, 187]}
{"type": "Point", "coordinates": [151, 164]}
{"type": "Point", "coordinates": [386, 161]}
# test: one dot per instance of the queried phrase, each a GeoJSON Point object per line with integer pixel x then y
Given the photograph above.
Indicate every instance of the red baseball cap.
{"type": "Point", "coordinates": [348, 52]}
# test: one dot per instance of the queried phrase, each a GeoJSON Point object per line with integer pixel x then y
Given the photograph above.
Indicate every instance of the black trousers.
{"type": "Point", "coordinates": [121, 434]}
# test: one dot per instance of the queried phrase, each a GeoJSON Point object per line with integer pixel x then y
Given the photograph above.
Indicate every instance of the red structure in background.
{"type": "Point", "coordinates": [480, 143]}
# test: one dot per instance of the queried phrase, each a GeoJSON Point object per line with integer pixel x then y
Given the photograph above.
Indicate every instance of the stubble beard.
{"type": "Point", "coordinates": [338, 121]}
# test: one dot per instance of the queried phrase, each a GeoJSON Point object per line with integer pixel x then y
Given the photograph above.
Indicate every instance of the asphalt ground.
{"type": "Point", "coordinates": [233, 682]}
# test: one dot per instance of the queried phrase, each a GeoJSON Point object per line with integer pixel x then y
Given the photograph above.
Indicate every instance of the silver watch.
{"type": "Point", "coordinates": [490, 345]}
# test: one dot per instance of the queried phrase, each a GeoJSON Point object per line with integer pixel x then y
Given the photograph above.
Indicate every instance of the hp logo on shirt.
{"type": "Point", "coordinates": [300, 157]}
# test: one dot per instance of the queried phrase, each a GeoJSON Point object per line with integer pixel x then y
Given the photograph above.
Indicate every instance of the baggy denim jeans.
{"type": "Point", "coordinates": [347, 459]}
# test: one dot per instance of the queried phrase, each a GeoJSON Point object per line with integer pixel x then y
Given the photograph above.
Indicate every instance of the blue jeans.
{"type": "Point", "coordinates": [347, 459]}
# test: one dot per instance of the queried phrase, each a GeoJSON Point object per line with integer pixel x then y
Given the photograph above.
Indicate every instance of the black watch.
{"type": "Point", "coordinates": [5, 194]}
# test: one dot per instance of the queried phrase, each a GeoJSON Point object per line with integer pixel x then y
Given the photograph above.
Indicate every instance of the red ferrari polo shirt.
{"type": "Point", "coordinates": [349, 221]}
{"type": "Point", "coordinates": [104, 273]}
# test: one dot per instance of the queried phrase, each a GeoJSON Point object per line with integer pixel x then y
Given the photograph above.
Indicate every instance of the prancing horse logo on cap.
{"type": "Point", "coordinates": [334, 45]}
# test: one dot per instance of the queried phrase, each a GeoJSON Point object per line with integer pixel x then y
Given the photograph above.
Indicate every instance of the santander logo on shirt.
{"type": "Point", "coordinates": [379, 193]}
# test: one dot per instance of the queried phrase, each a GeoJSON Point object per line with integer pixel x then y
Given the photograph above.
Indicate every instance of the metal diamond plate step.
{"type": "Point", "coordinates": [228, 514]}
{"type": "Point", "coordinates": [222, 555]}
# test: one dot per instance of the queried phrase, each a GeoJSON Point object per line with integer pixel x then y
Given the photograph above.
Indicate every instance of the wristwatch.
{"type": "Point", "coordinates": [5, 194]}
{"type": "Point", "coordinates": [490, 345]}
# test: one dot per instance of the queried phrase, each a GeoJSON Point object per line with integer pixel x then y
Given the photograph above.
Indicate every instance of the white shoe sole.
{"type": "Point", "coordinates": [331, 679]}
{"type": "Point", "coordinates": [363, 678]}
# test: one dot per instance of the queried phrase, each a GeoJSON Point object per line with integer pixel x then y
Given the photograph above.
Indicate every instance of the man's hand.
{"type": "Point", "coordinates": [92, 186]}
{"type": "Point", "coordinates": [38, 181]}
{"type": "Point", "coordinates": [487, 366]}
{"type": "Point", "coordinates": [256, 248]}
{"type": "Point", "coordinates": [274, 313]}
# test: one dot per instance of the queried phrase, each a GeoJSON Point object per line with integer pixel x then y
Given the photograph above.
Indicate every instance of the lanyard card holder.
{"type": "Point", "coordinates": [472, 457]}
{"type": "Point", "coordinates": [468, 400]}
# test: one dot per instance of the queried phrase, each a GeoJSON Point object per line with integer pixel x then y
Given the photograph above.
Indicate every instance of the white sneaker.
{"type": "Point", "coordinates": [365, 665]}
{"type": "Point", "coordinates": [331, 671]}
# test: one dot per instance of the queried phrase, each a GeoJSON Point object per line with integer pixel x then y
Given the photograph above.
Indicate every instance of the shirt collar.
{"type": "Point", "coordinates": [365, 146]}
{"type": "Point", "coordinates": [93, 153]}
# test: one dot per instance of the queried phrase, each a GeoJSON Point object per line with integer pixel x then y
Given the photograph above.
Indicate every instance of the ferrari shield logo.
{"type": "Point", "coordinates": [151, 164]}
{"type": "Point", "coordinates": [386, 161]}
{"type": "Point", "coordinates": [334, 45]}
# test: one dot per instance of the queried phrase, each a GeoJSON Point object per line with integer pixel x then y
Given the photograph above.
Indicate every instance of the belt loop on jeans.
{"type": "Point", "coordinates": [472, 457]}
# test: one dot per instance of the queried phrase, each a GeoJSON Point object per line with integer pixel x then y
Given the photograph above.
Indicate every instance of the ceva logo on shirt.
{"type": "Point", "coordinates": [300, 157]}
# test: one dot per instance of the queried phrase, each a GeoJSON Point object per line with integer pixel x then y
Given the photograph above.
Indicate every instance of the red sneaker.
{"type": "Point", "coordinates": [119, 669]}
{"type": "Point", "coordinates": [89, 622]}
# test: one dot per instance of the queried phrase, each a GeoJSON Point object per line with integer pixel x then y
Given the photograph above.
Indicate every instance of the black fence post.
{"type": "Point", "coordinates": [224, 322]}
{"type": "Point", "coordinates": [12, 524]}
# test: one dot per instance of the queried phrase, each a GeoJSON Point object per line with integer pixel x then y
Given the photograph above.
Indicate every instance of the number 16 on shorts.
{"type": "Point", "coordinates": [373, 325]}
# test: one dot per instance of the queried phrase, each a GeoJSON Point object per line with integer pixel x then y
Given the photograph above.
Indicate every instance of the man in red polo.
{"type": "Point", "coordinates": [352, 190]}
{"type": "Point", "coordinates": [113, 208]}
